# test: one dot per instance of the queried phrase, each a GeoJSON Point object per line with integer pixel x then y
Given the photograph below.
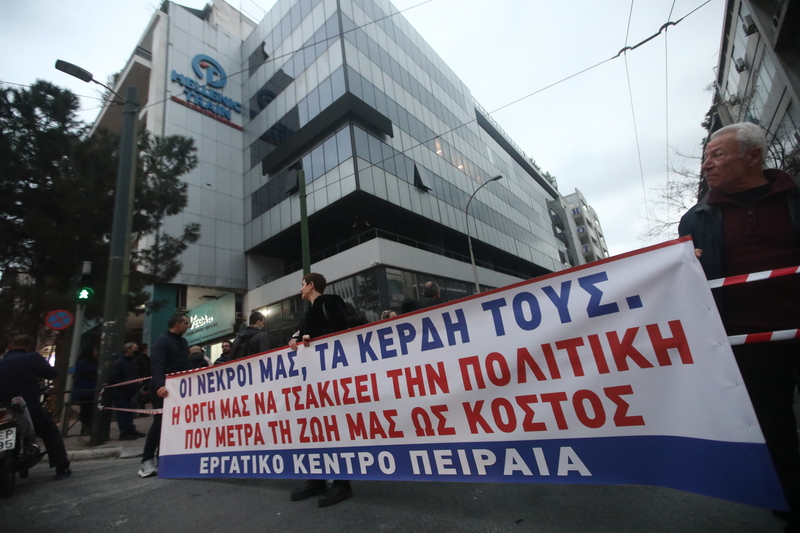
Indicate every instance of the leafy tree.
{"type": "Point", "coordinates": [57, 202]}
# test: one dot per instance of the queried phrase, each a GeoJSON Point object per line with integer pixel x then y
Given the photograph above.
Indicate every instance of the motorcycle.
{"type": "Point", "coordinates": [18, 449]}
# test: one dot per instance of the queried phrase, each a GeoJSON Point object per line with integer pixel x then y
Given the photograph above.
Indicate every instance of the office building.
{"type": "Point", "coordinates": [758, 77]}
{"type": "Point", "coordinates": [391, 145]}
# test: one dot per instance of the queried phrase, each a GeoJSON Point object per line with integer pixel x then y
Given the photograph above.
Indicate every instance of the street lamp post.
{"type": "Point", "coordinates": [469, 239]}
{"type": "Point", "coordinates": [116, 300]}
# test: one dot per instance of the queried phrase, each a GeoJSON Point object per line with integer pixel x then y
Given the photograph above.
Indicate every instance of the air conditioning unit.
{"type": "Point", "coordinates": [749, 26]}
{"type": "Point", "coordinates": [741, 65]}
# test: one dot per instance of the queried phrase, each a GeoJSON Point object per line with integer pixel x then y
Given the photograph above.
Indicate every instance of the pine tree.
{"type": "Point", "coordinates": [57, 202]}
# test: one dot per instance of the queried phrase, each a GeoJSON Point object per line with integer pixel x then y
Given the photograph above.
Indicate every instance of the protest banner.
{"type": "Point", "coordinates": [615, 372]}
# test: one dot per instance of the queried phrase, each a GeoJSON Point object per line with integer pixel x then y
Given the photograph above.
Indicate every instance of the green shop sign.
{"type": "Point", "coordinates": [211, 320]}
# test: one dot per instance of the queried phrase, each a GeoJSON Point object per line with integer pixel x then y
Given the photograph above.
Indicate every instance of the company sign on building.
{"type": "Point", "coordinates": [211, 320]}
{"type": "Point", "coordinates": [205, 98]}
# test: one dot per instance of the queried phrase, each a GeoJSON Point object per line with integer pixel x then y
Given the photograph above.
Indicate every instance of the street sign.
{"type": "Point", "coordinates": [59, 319]}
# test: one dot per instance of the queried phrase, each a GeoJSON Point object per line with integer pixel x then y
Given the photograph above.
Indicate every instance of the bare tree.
{"type": "Point", "coordinates": [672, 200]}
{"type": "Point", "coordinates": [685, 184]}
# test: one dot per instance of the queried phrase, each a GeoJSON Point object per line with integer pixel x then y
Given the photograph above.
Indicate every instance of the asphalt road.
{"type": "Point", "coordinates": [106, 495]}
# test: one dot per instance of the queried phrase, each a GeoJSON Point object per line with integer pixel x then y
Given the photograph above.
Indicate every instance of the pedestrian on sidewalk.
{"type": "Point", "coordinates": [83, 388]}
{"type": "Point", "coordinates": [126, 368]}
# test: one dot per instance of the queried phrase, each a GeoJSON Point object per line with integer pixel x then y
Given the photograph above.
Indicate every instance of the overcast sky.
{"type": "Point", "coordinates": [581, 130]}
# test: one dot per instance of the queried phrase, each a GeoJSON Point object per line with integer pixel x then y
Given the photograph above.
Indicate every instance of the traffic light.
{"type": "Point", "coordinates": [85, 290]}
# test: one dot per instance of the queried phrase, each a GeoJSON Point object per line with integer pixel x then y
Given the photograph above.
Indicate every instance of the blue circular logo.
{"type": "Point", "coordinates": [214, 73]}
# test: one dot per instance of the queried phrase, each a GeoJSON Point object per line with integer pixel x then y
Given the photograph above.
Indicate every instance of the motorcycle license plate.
{"type": "Point", "coordinates": [7, 438]}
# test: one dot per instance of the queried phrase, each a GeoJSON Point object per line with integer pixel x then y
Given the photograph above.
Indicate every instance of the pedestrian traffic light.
{"type": "Point", "coordinates": [85, 290]}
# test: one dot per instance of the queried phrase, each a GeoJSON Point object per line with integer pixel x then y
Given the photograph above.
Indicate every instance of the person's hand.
{"type": "Point", "coordinates": [306, 340]}
{"type": "Point", "coordinates": [293, 344]}
{"type": "Point", "coordinates": [698, 252]}
{"type": "Point", "coordinates": [162, 392]}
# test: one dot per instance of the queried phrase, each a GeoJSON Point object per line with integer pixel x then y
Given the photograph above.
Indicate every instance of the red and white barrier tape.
{"type": "Point", "coordinates": [767, 336]}
{"type": "Point", "coordinates": [140, 411]}
{"type": "Point", "coordinates": [755, 276]}
{"type": "Point", "coordinates": [127, 382]}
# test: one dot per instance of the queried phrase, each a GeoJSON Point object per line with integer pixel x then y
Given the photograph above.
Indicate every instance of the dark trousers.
{"type": "Point", "coordinates": [154, 435]}
{"type": "Point", "coordinates": [47, 430]}
{"type": "Point", "coordinates": [125, 418]}
{"type": "Point", "coordinates": [768, 371]}
{"type": "Point", "coordinates": [87, 412]}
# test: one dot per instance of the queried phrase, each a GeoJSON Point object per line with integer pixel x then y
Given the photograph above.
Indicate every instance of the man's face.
{"type": "Point", "coordinates": [226, 347]}
{"type": "Point", "coordinates": [725, 168]}
{"type": "Point", "coordinates": [305, 289]}
{"type": "Point", "coordinates": [182, 326]}
{"type": "Point", "coordinates": [131, 350]}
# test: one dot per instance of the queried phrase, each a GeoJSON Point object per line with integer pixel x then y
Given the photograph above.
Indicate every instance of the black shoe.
{"type": "Point", "coordinates": [312, 487]}
{"type": "Point", "coordinates": [137, 433]}
{"type": "Point", "coordinates": [339, 492]}
{"type": "Point", "coordinates": [63, 474]}
{"type": "Point", "coordinates": [127, 436]}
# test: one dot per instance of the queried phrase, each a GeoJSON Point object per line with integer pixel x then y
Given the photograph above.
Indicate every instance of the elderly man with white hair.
{"type": "Point", "coordinates": [749, 221]}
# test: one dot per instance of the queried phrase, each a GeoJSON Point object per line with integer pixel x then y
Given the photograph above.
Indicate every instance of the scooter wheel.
{"type": "Point", "coordinates": [7, 477]}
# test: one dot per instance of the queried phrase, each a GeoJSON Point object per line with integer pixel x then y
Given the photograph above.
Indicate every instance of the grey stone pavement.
{"type": "Point", "coordinates": [78, 448]}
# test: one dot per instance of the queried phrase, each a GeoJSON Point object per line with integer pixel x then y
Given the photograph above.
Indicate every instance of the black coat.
{"type": "Point", "coordinates": [124, 369]}
{"type": "Point", "coordinates": [325, 316]}
{"type": "Point", "coordinates": [19, 375]}
{"type": "Point", "coordinates": [169, 353]}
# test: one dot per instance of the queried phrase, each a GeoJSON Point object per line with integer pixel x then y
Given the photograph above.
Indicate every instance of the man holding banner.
{"type": "Point", "coordinates": [749, 222]}
{"type": "Point", "coordinates": [326, 315]}
{"type": "Point", "coordinates": [169, 353]}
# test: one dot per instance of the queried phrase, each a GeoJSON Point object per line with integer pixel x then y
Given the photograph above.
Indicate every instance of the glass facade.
{"type": "Point", "coordinates": [434, 156]}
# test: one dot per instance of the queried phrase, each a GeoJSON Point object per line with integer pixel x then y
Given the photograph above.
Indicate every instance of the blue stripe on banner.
{"type": "Point", "coordinates": [693, 465]}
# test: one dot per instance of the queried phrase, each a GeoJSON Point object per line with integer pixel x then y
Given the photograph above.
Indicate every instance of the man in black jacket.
{"type": "Point", "coordinates": [169, 353]}
{"type": "Point", "coordinates": [20, 371]}
{"type": "Point", "coordinates": [126, 368]}
{"type": "Point", "coordinates": [252, 339]}
{"type": "Point", "coordinates": [326, 315]}
{"type": "Point", "coordinates": [431, 295]}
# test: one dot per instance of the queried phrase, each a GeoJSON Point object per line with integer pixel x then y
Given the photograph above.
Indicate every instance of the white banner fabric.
{"type": "Point", "coordinates": [613, 372]}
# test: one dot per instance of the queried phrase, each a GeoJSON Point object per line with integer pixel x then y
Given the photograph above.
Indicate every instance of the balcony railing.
{"type": "Point", "coordinates": [382, 234]}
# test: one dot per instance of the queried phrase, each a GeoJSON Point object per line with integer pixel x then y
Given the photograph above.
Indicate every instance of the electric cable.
{"type": "Point", "coordinates": [635, 128]}
{"type": "Point", "coordinates": [666, 106]}
{"type": "Point", "coordinates": [621, 52]}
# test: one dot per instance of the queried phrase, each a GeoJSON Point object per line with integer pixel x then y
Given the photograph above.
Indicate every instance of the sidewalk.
{"type": "Point", "coordinates": [78, 448]}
